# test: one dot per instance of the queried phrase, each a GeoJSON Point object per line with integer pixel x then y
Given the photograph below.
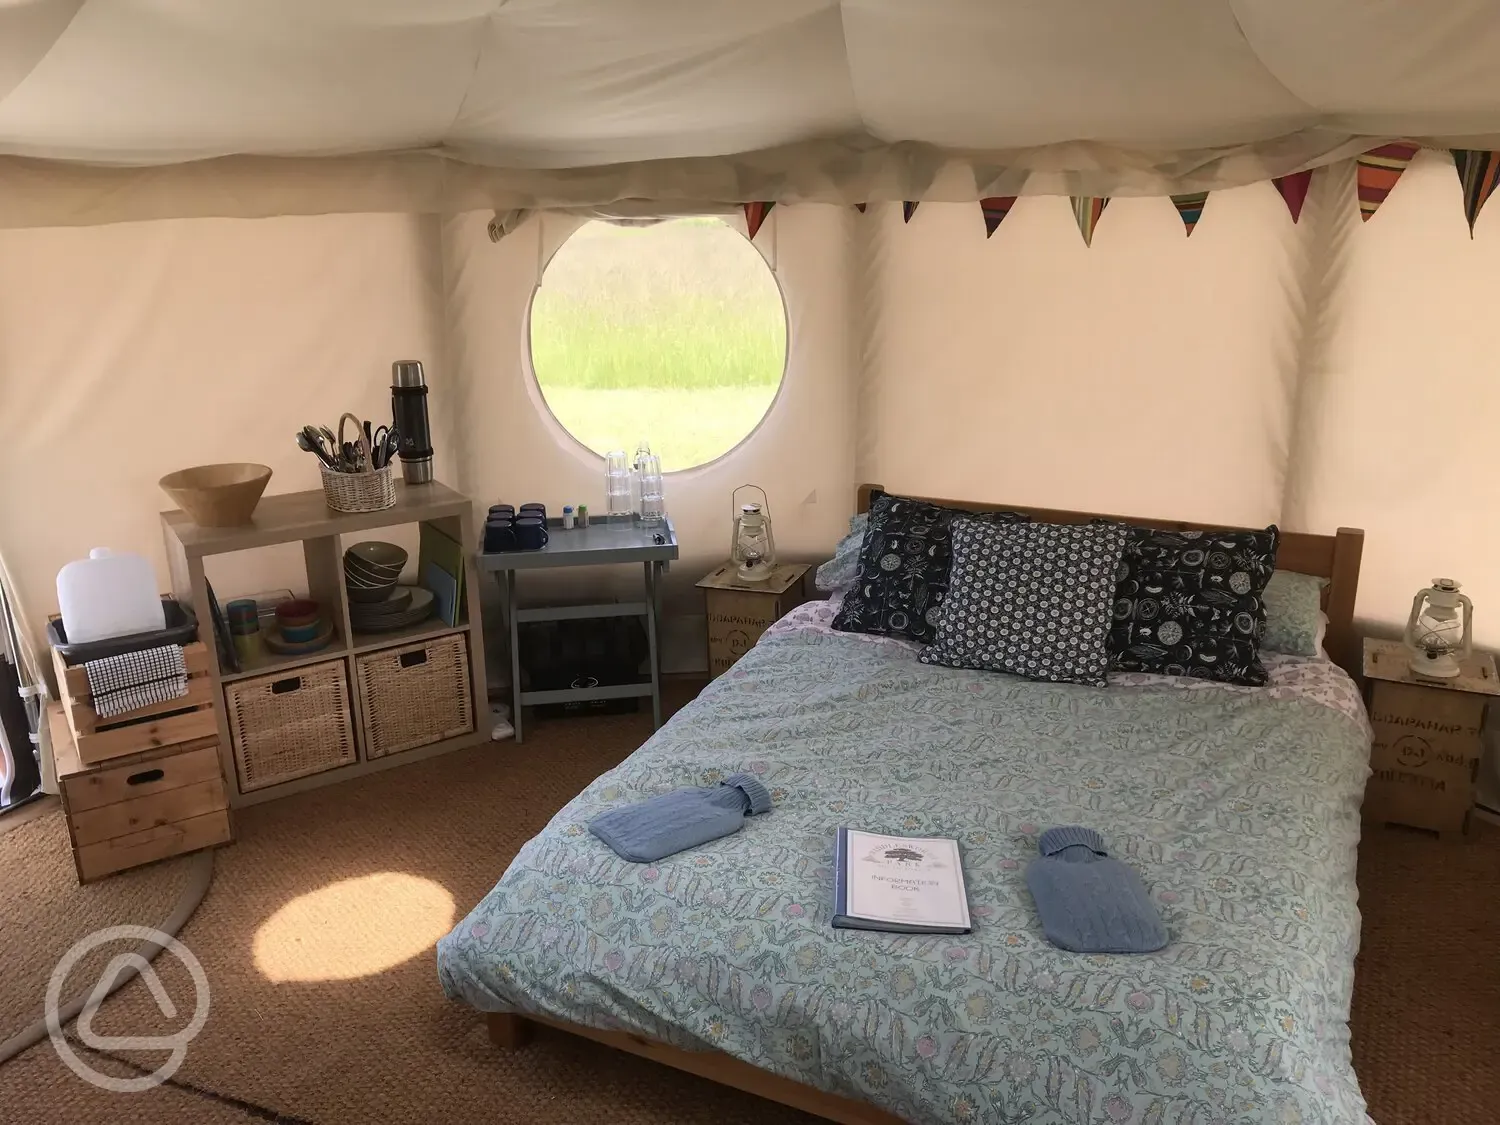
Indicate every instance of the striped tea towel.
{"type": "Point", "coordinates": [136, 679]}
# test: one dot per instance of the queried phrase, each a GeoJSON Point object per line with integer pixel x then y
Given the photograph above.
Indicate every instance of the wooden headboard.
{"type": "Point", "coordinates": [1334, 557]}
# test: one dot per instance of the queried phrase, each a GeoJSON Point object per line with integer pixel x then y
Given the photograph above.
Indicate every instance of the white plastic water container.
{"type": "Point", "coordinates": [108, 595]}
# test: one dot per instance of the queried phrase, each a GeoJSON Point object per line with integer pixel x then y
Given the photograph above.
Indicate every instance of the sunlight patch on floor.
{"type": "Point", "coordinates": [353, 928]}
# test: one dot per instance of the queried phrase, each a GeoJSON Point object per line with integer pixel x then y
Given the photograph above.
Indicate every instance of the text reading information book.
{"type": "Point", "coordinates": [905, 884]}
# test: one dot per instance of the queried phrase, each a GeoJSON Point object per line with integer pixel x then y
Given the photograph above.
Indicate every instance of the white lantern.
{"type": "Point", "coordinates": [752, 547]}
{"type": "Point", "coordinates": [1438, 638]}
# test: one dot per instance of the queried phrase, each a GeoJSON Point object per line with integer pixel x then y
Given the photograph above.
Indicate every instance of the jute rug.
{"type": "Point", "coordinates": [317, 941]}
{"type": "Point", "coordinates": [1426, 1016]}
{"type": "Point", "coordinates": [43, 911]}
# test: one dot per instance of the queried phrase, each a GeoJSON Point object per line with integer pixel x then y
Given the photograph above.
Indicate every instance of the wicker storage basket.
{"type": "Point", "coordinates": [359, 492]}
{"type": "Point", "coordinates": [286, 725]}
{"type": "Point", "coordinates": [414, 695]}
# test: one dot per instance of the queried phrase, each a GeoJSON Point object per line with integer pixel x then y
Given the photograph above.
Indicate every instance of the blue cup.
{"type": "Point", "coordinates": [533, 509]}
{"type": "Point", "coordinates": [502, 511]}
{"type": "Point", "coordinates": [499, 535]}
{"type": "Point", "coordinates": [531, 533]}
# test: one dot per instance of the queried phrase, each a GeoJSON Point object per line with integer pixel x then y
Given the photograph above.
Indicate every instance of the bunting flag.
{"type": "Point", "coordinates": [1376, 173]}
{"type": "Point", "coordinates": [1087, 209]}
{"type": "Point", "coordinates": [755, 215]}
{"type": "Point", "coordinates": [1478, 172]}
{"type": "Point", "coordinates": [995, 208]}
{"type": "Point", "coordinates": [1190, 208]}
{"type": "Point", "coordinates": [1293, 189]}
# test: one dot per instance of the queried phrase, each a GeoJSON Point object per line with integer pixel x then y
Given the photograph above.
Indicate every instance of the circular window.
{"type": "Point", "coordinates": [673, 334]}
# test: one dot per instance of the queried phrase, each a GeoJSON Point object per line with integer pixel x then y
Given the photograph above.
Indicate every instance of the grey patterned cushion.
{"type": "Point", "coordinates": [842, 571]}
{"type": "Point", "coordinates": [1294, 613]}
{"type": "Point", "coordinates": [1033, 599]}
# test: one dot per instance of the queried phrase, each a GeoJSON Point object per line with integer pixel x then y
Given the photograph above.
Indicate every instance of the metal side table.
{"type": "Point", "coordinates": [602, 543]}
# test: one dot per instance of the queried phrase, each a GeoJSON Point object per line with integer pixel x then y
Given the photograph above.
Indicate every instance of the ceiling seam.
{"type": "Point", "coordinates": [463, 102]}
{"type": "Point", "coordinates": [1271, 74]}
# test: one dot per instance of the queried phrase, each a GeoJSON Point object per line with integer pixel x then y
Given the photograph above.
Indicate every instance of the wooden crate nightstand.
{"type": "Point", "coordinates": [1426, 750]}
{"type": "Point", "coordinates": [739, 612]}
{"type": "Point", "coordinates": [138, 808]}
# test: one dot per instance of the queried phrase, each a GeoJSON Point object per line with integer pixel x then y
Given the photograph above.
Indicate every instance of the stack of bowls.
{"type": "Point", "coordinates": [300, 628]}
{"type": "Point", "coordinates": [371, 570]}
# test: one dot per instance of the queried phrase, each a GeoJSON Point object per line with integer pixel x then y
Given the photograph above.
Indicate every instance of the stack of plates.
{"type": "Point", "coordinates": [402, 607]}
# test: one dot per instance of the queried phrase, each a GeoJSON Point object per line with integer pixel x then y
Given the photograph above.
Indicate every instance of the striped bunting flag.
{"type": "Point", "coordinates": [908, 209]}
{"type": "Point", "coordinates": [1087, 209]}
{"type": "Point", "coordinates": [1478, 172]}
{"type": "Point", "coordinates": [1190, 208]}
{"type": "Point", "coordinates": [1376, 173]}
{"type": "Point", "coordinates": [755, 215]}
{"type": "Point", "coordinates": [995, 208]}
{"type": "Point", "coordinates": [1293, 189]}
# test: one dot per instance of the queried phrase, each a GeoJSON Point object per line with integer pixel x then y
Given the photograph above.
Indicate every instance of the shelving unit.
{"type": "Point", "coordinates": [306, 518]}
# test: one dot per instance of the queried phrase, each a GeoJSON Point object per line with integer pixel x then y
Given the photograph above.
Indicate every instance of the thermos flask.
{"type": "Point", "coordinates": [409, 409]}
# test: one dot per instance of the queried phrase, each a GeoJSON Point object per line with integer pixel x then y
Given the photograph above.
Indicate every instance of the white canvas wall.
{"type": "Point", "coordinates": [802, 453]}
{"type": "Point", "coordinates": [1257, 371]}
{"type": "Point", "coordinates": [129, 351]}
{"type": "Point", "coordinates": [1403, 397]}
{"type": "Point", "coordinates": [1145, 375]}
{"type": "Point", "coordinates": [1325, 374]}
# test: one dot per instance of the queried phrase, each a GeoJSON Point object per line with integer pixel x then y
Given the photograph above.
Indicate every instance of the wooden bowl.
{"type": "Point", "coordinates": [218, 495]}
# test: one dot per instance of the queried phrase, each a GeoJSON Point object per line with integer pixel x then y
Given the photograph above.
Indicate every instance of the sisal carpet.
{"type": "Point", "coordinates": [40, 898]}
{"type": "Point", "coordinates": [1426, 1013]}
{"type": "Point", "coordinates": [317, 941]}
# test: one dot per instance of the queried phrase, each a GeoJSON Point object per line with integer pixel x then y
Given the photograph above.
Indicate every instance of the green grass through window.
{"type": "Point", "coordinates": [674, 334]}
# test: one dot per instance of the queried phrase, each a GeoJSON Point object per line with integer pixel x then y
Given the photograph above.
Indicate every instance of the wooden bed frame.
{"type": "Point", "coordinates": [1335, 557]}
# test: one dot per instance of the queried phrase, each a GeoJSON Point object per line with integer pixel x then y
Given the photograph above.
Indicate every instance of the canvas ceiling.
{"type": "Point", "coordinates": [129, 109]}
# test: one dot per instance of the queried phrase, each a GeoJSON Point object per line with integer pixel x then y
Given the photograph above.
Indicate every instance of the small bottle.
{"type": "Point", "coordinates": [567, 517]}
{"type": "Point", "coordinates": [583, 515]}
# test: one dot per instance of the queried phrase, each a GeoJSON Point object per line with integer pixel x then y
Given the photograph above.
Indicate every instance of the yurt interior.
{"type": "Point", "coordinates": [710, 563]}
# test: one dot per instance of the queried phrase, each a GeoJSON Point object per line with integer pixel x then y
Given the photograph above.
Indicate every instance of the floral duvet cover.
{"type": "Point", "coordinates": [1239, 807]}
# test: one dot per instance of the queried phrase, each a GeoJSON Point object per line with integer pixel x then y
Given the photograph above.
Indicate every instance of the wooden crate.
{"type": "Point", "coordinates": [1426, 749]}
{"type": "Point", "coordinates": [159, 724]}
{"type": "Point", "coordinates": [740, 612]}
{"type": "Point", "coordinates": [141, 808]}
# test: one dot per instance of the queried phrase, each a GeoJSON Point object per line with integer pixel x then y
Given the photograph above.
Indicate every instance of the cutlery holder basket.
{"type": "Point", "coordinates": [359, 492]}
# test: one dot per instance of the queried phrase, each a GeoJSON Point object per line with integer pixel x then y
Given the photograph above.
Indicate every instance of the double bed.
{"type": "Point", "coordinates": [1239, 807]}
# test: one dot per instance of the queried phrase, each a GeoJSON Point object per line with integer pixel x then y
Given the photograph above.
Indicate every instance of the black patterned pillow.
{"type": "Point", "coordinates": [903, 567]}
{"type": "Point", "coordinates": [1190, 603]}
{"type": "Point", "coordinates": [1031, 599]}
